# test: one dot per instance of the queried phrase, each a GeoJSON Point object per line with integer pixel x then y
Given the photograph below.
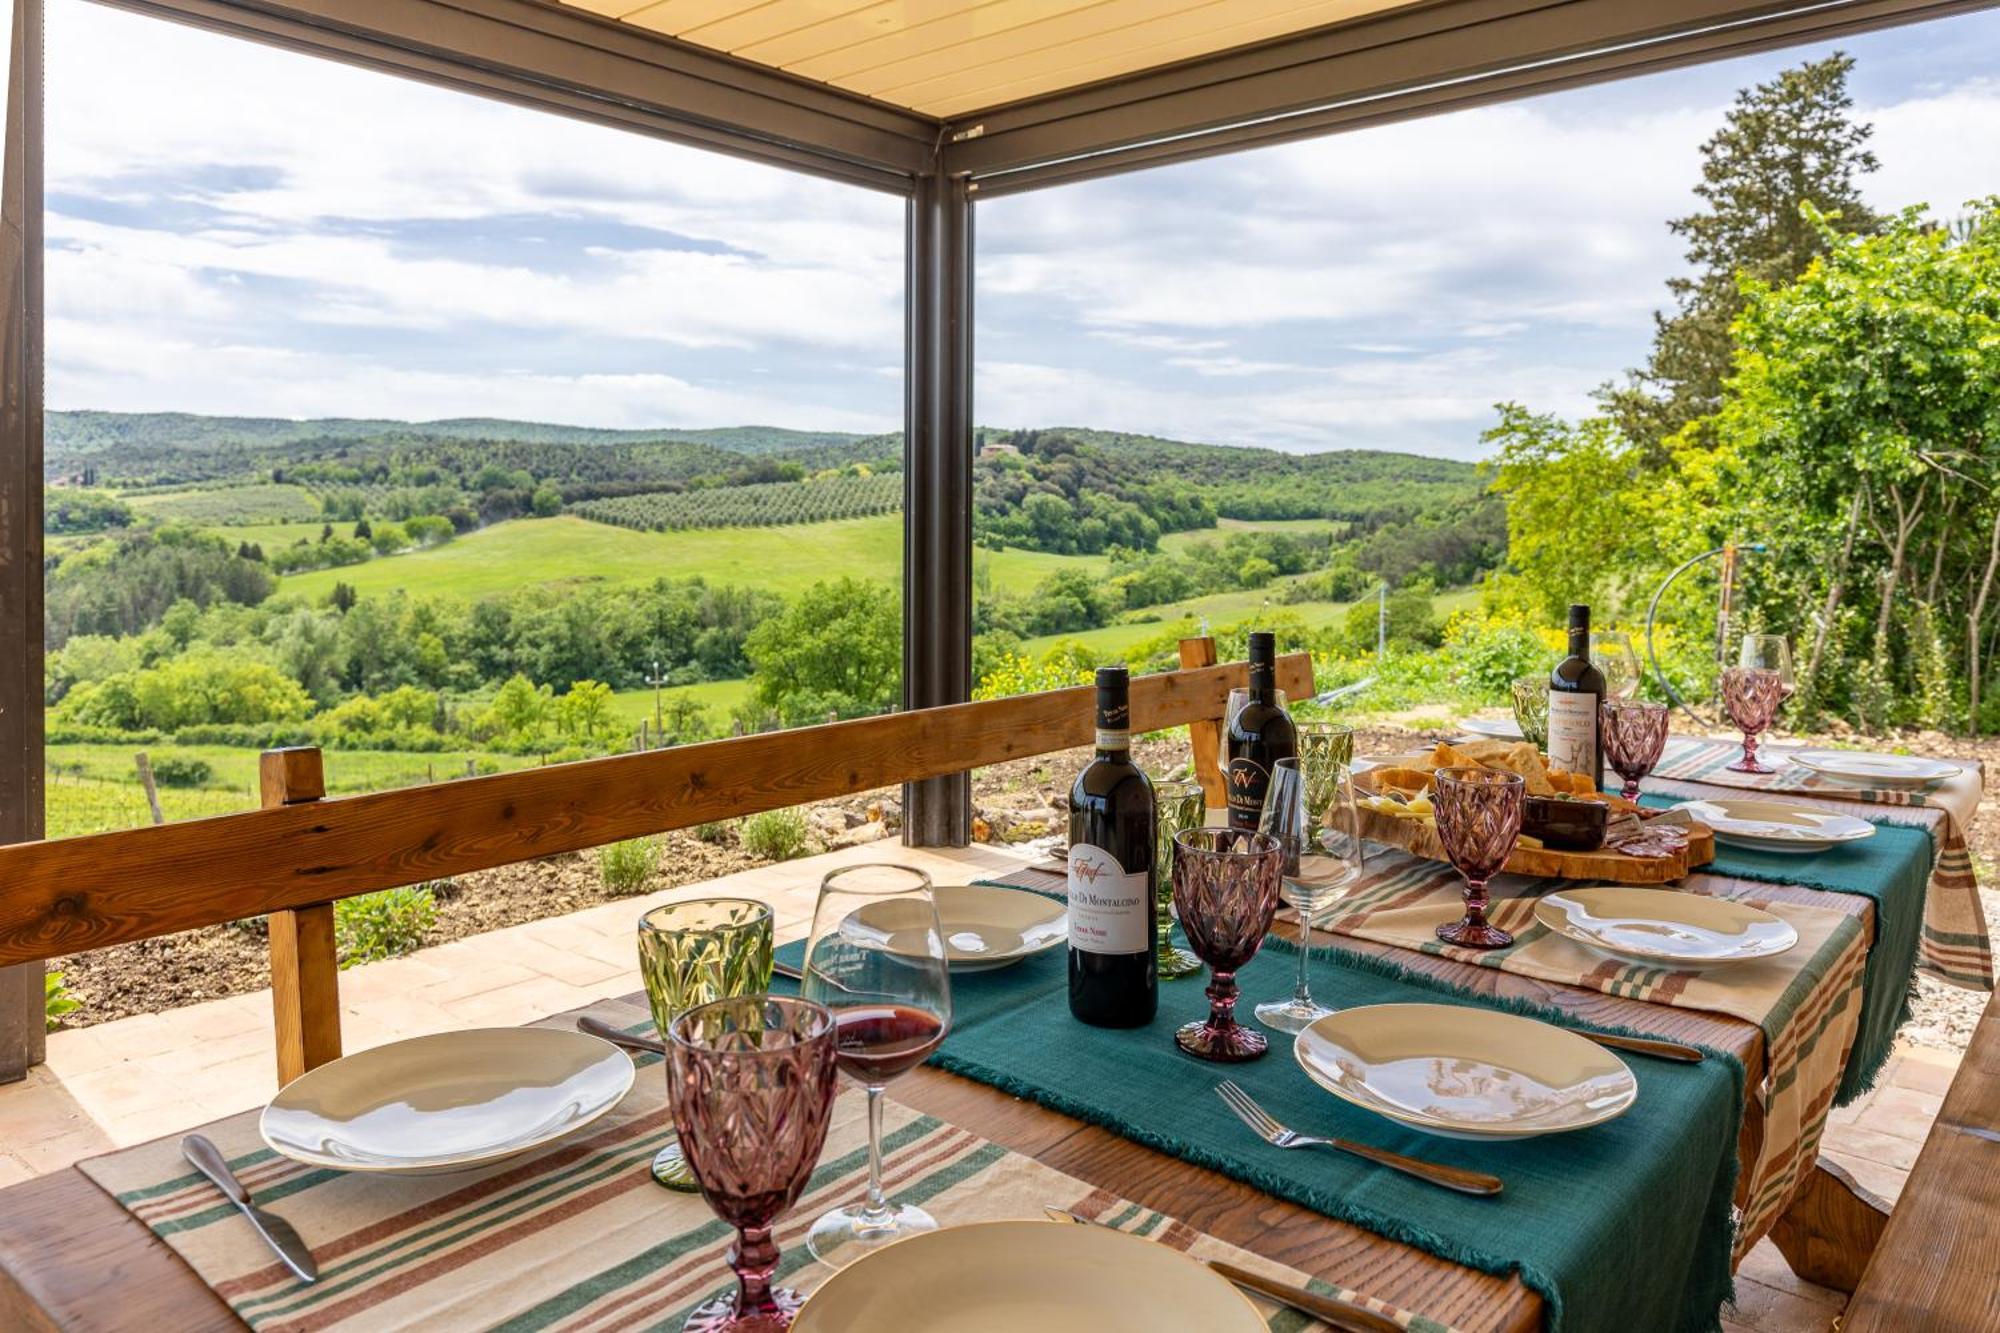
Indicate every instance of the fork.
{"type": "Point", "coordinates": [1277, 1135]}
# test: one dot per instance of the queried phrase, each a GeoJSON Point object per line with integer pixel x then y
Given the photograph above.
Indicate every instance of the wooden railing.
{"type": "Point", "coordinates": [294, 857]}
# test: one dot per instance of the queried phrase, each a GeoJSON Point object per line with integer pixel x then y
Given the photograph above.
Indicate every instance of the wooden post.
{"type": "Point", "coordinates": [151, 787]}
{"type": "Point", "coordinates": [305, 974]}
{"type": "Point", "coordinates": [1205, 735]}
{"type": "Point", "coordinates": [1831, 1228]}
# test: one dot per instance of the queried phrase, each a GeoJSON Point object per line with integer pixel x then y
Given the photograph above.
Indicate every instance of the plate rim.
{"type": "Point", "coordinates": [1253, 1320]}
{"type": "Point", "coordinates": [994, 961]}
{"type": "Point", "coordinates": [1466, 724]}
{"type": "Point", "coordinates": [1416, 1120]}
{"type": "Point", "coordinates": [1654, 958]}
{"type": "Point", "coordinates": [1951, 770]}
{"type": "Point", "coordinates": [458, 1161]}
{"type": "Point", "coordinates": [1864, 830]}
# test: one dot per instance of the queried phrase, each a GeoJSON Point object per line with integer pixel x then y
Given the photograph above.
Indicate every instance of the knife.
{"type": "Point", "coordinates": [275, 1230]}
{"type": "Point", "coordinates": [1665, 1050]}
{"type": "Point", "coordinates": [1329, 1310]}
{"type": "Point", "coordinates": [596, 1027]}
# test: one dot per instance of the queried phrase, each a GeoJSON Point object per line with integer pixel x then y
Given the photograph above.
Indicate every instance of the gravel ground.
{"type": "Point", "coordinates": [1015, 802]}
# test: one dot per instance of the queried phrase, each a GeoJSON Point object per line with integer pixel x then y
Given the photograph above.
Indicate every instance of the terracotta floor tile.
{"type": "Point", "coordinates": [1922, 1070]}
{"type": "Point", "coordinates": [157, 1123]}
{"type": "Point", "coordinates": [1769, 1310]}
{"type": "Point", "coordinates": [522, 1003]}
{"type": "Point", "coordinates": [1900, 1111]}
{"type": "Point", "coordinates": [13, 1170]}
{"type": "Point", "coordinates": [478, 975]}
{"type": "Point", "coordinates": [564, 964]}
{"type": "Point", "coordinates": [1765, 1265]}
{"type": "Point", "coordinates": [1885, 1181]}
{"type": "Point", "coordinates": [1891, 1150]}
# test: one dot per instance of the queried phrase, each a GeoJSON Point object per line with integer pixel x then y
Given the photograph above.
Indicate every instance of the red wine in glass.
{"type": "Point", "coordinates": [875, 1043]}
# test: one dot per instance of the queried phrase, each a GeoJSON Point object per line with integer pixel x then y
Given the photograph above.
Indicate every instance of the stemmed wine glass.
{"type": "Point", "coordinates": [1181, 805]}
{"type": "Point", "coordinates": [1325, 751]}
{"type": "Point", "coordinates": [1531, 709]}
{"type": "Point", "coordinates": [1611, 649]}
{"type": "Point", "coordinates": [876, 959]}
{"type": "Point", "coordinates": [1479, 822]}
{"type": "Point", "coordinates": [1313, 877]}
{"type": "Point", "coordinates": [1226, 891]}
{"type": "Point", "coordinates": [1752, 691]}
{"type": "Point", "coordinates": [1635, 732]}
{"type": "Point", "coordinates": [693, 952]}
{"type": "Point", "coordinates": [751, 1081]}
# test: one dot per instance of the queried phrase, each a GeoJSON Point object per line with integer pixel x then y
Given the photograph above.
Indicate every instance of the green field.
{"type": "Point", "coordinates": [719, 697]}
{"type": "Point", "coordinates": [265, 502]}
{"type": "Point", "coordinates": [1175, 542]}
{"type": "Point", "coordinates": [575, 551]}
{"type": "Point", "coordinates": [1221, 609]}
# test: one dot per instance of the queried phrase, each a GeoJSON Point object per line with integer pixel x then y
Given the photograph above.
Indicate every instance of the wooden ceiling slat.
{"type": "Point", "coordinates": [871, 21]}
{"type": "Point", "coordinates": [611, 9]}
{"type": "Point", "coordinates": [972, 23]}
{"type": "Point", "coordinates": [774, 20]}
{"type": "Point", "coordinates": [677, 17]}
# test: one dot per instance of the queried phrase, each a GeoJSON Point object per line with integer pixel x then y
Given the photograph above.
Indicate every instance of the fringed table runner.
{"type": "Point", "coordinates": [1954, 945]}
{"type": "Point", "coordinates": [577, 1236]}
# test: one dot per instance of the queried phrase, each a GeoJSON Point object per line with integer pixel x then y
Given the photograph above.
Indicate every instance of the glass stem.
{"type": "Point", "coordinates": [1301, 995]}
{"type": "Point", "coordinates": [878, 1205]}
{"type": "Point", "coordinates": [754, 1258]}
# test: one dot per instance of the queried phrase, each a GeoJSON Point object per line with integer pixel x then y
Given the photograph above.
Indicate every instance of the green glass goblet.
{"type": "Point", "coordinates": [1181, 806]}
{"type": "Point", "coordinates": [1326, 749]}
{"type": "Point", "coordinates": [696, 952]}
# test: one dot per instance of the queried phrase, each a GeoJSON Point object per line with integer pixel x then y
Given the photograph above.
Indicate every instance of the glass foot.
{"type": "Point", "coordinates": [1173, 963]}
{"type": "Point", "coordinates": [1747, 765]}
{"type": "Point", "coordinates": [1291, 1015]}
{"type": "Point", "coordinates": [847, 1234]}
{"type": "Point", "coordinates": [671, 1169]}
{"type": "Point", "coordinates": [719, 1315]}
{"type": "Point", "coordinates": [1470, 934]}
{"type": "Point", "coordinates": [1226, 1044]}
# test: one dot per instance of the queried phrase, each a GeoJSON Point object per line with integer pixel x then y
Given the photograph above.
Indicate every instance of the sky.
{"type": "Point", "coordinates": [234, 229]}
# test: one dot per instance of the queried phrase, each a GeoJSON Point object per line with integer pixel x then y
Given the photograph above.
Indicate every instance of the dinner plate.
{"type": "Point", "coordinates": [985, 928]}
{"type": "Point", "coordinates": [1900, 771]}
{"type": "Point", "coordinates": [1664, 927]}
{"type": "Point", "coordinates": [1003, 1277]}
{"type": "Point", "coordinates": [1499, 728]}
{"type": "Point", "coordinates": [1463, 1072]}
{"type": "Point", "coordinates": [1776, 826]}
{"type": "Point", "coordinates": [446, 1102]}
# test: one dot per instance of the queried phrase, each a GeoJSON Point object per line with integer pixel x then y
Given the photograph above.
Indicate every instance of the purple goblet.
{"type": "Point", "coordinates": [1635, 733]}
{"type": "Point", "coordinates": [751, 1081]}
{"type": "Point", "coordinates": [1752, 695]}
{"type": "Point", "coordinates": [1479, 823]}
{"type": "Point", "coordinates": [1226, 890]}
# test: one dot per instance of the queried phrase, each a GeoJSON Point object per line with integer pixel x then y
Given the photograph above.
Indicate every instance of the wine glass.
{"type": "Point", "coordinates": [1635, 732]}
{"type": "Point", "coordinates": [876, 959]}
{"type": "Point", "coordinates": [1611, 649]}
{"type": "Point", "coordinates": [1752, 691]}
{"type": "Point", "coordinates": [1181, 805]}
{"type": "Point", "coordinates": [1312, 877]}
{"type": "Point", "coordinates": [752, 1083]}
{"type": "Point", "coordinates": [1226, 890]}
{"type": "Point", "coordinates": [691, 953]}
{"type": "Point", "coordinates": [1239, 696]}
{"type": "Point", "coordinates": [1479, 822]}
{"type": "Point", "coordinates": [1325, 751]}
{"type": "Point", "coordinates": [1531, 709]}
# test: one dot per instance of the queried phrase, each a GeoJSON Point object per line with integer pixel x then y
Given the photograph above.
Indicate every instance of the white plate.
{"type": "Point", "coordinates": [446, 1102]}
{"type": "Point", "coordinates": [1776, 826]}
{"type": "Point", "coordinates": [1464, 1072]}
{"type": "Point", "coordinates": [1004, 1277]}
{"type": "Point", "coordinates": [1664, 927]}
{"type": "Point", "coordinates": [985, 928]}
{"type": "Point", "coordinates": [1499, 728]}
{"type": "Point", "coordinates": [1903, 772]}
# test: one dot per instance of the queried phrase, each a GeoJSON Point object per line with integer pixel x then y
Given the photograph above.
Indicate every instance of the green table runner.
{"type": "Point", "coordinates": [1892, 870]}
{"type": "Point", "coordinates": [1623, 1226]}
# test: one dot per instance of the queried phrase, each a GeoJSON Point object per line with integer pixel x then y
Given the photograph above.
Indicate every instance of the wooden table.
{"type": "Point", "coordinates": [72, 1259]}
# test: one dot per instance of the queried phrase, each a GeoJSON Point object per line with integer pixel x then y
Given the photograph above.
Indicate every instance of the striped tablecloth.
{"type": "Point", "coordinates": [1955, 945]}
{"type": "Point", "coordinates": [577, 1237]}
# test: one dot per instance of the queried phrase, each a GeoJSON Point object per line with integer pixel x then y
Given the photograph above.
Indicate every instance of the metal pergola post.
{"type": "Point", "coordinates": [937, 494]}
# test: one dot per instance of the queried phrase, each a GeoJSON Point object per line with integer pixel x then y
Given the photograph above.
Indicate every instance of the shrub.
{"type": "Point", "coordinates": [180, 770]}
{"type": "Point", "coordinates": [374, 926]}
{"type": "Point", "coordinates": [776, 835]}
{"type": "Point", "coordinates": [624, 867]}
{"type": "Point", "coordinates": [56, 1000]}
{"type": "Point", "coordinates": [716, 831]}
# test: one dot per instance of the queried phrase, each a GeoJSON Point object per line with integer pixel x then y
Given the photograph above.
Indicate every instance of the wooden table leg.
{"type": "Point", "coordinates": [1831, 1228]}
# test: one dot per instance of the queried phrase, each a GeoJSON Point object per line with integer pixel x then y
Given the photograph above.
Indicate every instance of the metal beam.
{"type": "Point", "coordinates": [555, 58]}
{"type": "Point", "coordinates": [1420, 60]}
{"type": "Point", "coordinates": [937, 498]}
{"type": "Point", "coordinates": [22, 1040]}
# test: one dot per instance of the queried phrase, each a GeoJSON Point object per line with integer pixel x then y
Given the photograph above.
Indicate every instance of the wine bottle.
{"type": "Point", "coordinates": [1112, 822]}
{"type": "Point", "coordinates": [1260, 734]}
{"type": "Point", "coordinates": [1576, 697]}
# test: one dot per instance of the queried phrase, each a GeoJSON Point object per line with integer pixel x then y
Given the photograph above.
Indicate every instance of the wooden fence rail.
{"type": "Point", "coordinates": [300, 853]}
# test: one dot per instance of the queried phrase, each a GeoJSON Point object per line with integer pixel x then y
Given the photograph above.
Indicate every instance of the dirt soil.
{"type": "Point", "coordinates": [1016, 802]}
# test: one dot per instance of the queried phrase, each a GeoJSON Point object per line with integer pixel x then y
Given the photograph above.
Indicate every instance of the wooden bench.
{"type": "Point", "coordinates": [292, 859]}
{"type": "Point", "coordinates": [1936, 1268]}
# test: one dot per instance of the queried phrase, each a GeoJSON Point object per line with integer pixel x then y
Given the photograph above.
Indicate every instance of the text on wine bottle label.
{"type": "Point", "coordinates": [1107, 904]}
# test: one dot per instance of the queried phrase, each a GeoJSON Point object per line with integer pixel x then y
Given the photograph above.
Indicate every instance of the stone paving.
{"type": "Point", "coordinates": [139, 1078]}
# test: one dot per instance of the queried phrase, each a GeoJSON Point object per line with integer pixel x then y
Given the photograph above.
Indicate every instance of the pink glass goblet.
{"type": "Point", "coordinates": [751, 1081]}
{"type": "Point", "coordinates": [1479, 822]}
{"type": "Point", "coordinates": [1751, 696]}
{"type": "Point", "coordinates": [1226, 890]}
{"type": "Point", "coordinates": [1635, 732]}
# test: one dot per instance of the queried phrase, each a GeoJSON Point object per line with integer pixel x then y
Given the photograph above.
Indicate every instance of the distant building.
{"type": "Point", "coordinates": [996, 449]}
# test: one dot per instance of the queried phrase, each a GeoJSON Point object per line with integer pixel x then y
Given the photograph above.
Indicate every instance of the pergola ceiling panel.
{"type": "Point", "coordinates": [947, 57]}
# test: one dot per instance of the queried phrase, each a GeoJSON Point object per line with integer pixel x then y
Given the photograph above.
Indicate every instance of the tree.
{"type": "Point", "coordinates": [363, 532]}
{"type": "Point", "coordinates": [1786, 145]}
{"type": "Point", "coordinates": [342, 597]}
{"type": "Point", "coordinates": [838, 647]}
{"type": "Point", "coordinates": [547, 501]}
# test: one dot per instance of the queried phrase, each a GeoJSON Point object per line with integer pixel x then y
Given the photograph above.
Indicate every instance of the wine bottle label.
{"type": "Point", "coordinates": [1573, 732]}
{"type": "Point", "coordinates": [1113, 740]}
{"type": "Point", "coordinates": [1247, 781]}
{"type": "Point", "coordinates": [1107, 904]}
